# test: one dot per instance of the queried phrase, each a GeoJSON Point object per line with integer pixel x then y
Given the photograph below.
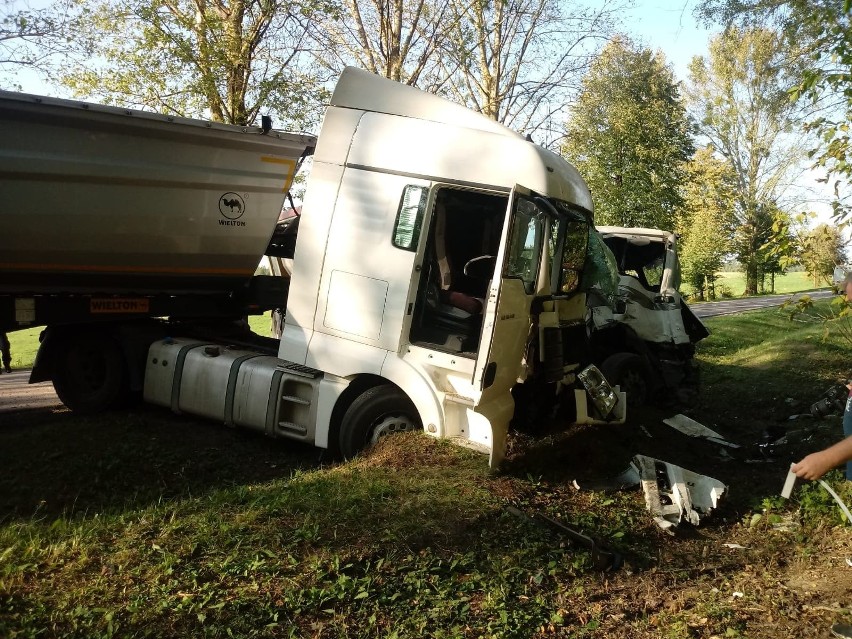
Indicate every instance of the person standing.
{"type": "Point", "coordinates": [6, 352]}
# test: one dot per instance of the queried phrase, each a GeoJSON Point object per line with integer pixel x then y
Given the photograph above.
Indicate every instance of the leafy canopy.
{"type": "Point", "coordinates": [629, 137]}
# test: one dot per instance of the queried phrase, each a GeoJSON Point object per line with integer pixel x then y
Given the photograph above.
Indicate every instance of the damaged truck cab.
{"type": "Point", "coordinates": [643, 336]}
{"type": "Point", "coordinates": [435, 249]}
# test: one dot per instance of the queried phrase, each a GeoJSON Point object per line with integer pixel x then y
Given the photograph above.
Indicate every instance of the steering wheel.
{"type": "Point", "coordinates": [475, 261]}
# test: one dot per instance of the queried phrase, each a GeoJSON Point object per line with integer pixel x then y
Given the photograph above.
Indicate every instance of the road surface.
{"type": "Point", "coordinates": [729, 307]}
{"type": "Point", "coordinates": [16, 394]}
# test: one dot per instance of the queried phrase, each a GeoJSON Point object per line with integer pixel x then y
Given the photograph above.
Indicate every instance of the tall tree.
{"type": "Point", "coordinates": [519, 61]}
{"type": "Point", "coordinates": [740, 99]}
{"type": "Point", "coordinates": [223, 59]}
{"type": "Point", "coordinates": [706, 222]}
{"type": "Point", "coordinates": [397, 39]}
{"type": "Point", "coordinates": [629, 137]}
{"type": "Point", "coordinates": [823, 29]}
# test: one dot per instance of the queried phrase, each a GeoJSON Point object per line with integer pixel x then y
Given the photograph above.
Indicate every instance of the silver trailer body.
{"type": "Point", "coordinates": [102, 199]}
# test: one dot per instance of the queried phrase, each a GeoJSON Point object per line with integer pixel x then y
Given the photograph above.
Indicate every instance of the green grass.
{"type": "Point", "coordinates": [146, 524]}
{"type": "Point", "coordinates": [24, 345]}
{"type": "Point", "coordinates": [789, 283]}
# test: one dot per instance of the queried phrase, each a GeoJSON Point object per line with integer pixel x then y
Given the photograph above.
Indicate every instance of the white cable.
{"type": "Point", "coordinates": [838, 500]}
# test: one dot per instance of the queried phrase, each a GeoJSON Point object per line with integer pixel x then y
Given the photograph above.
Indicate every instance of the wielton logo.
{"type": "Point", "coordinates": [231, 206]}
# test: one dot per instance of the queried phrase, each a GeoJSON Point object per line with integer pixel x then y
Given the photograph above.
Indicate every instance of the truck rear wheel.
{"type": "Point", "coordinates": [90, 374]}
{"type": "Point", "coordinates": [628, 371]}
{"type": "Point", "coordinates": [378, 412]}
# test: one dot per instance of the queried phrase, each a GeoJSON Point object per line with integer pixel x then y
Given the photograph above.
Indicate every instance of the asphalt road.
{"type": "Point", "coordinates": [729, 307]}
{"type": "Point", "coordinates": [16, 394]}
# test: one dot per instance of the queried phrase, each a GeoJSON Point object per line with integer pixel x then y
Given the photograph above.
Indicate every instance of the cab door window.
{"type": "Point", "coordinates": [525, 242]}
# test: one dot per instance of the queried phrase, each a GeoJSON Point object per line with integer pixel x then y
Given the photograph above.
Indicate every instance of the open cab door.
{"type": "Point", "coordinates": [506, 318]}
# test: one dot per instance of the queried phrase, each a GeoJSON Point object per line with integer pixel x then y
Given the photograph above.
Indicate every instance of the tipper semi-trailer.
{"type": "Point", "coordinates": [437, 266]}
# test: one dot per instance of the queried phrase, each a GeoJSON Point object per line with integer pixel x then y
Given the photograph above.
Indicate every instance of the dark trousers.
{"type": "Point", "coordinates": [6, 352]}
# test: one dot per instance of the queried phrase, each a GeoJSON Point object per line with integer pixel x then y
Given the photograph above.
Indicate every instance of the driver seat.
{"type": "Point", "coordinates": [446, 295]}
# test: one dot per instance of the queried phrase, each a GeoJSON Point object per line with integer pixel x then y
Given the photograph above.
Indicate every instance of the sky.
{"type": "Point", "coordinates": [669, 25]}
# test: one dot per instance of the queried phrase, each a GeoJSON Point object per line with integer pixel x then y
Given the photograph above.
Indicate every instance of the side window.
{"type": "Point", "coordinates": [525, 241]}
{"type": "Point", "coordinates": [409, 217]}
{"type": "Point", "coordinates": [573, 255]}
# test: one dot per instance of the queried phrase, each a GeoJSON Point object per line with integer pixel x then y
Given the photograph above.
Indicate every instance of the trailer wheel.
{"type": "Point", "coordinates": [378, 412]}
{"type": "Point", "coordinates": [628, 371]}
{"type": "Point", "coordinates": [90, 374]}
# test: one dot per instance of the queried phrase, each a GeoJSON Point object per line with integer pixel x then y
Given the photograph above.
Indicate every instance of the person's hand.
{"type": "Point", "coordinates": [813, 466]}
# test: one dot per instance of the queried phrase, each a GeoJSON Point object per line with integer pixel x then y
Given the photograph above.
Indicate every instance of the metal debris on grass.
{"type": "Point", "coordinates": [672, 493]}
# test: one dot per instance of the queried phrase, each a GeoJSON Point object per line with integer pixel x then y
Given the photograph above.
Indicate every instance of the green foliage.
{"type": "Point", "coordinates": [835, 318]}
{"type": "Point", "coordinates": [820, 250]}
{"type": "Point", "coordinates": [739, 97]}
{"type": "Point", "coordinates": [706, 223]}
{"type": "Point", "coordinates": [228, 61]}
{"type": "Point", "coordinates": [817, 506]}
{"type": "Point", "coordinates": [822, 30]}
{"type": "Point", "coordinates": [629, 137]}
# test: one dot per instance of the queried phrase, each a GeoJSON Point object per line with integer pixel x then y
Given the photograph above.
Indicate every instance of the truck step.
{"type": "Point", "coordinates": [455, 398]}
{"type": "Point", "coordinates": [296, 428]}
{"type": "Point", "coordinates": [301, 370]}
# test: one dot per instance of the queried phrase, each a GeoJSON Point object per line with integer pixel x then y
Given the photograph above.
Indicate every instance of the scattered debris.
{"type": "Point", "coordinates": [735, 546]}
{"type": "Point", "coordinates": [672, 493]}
{"type": "Point", "coordinates": [645, 430]}
{"type": "Point", "coordinates": [849, 562]}
{"type": "Point", "coordinates": [692, 428]}
{"type": "Point", "coordinates": [599, 389]}
{"type": "Point", "coordinates": [736, 594]}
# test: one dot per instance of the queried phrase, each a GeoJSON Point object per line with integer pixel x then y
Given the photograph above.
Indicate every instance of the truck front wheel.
{"type": "Point", "coordinates": [378, 412]}
{"type": "Point", "coordinates": [628, 371]}
{"type": "Point", "coordinates": [89, 373]}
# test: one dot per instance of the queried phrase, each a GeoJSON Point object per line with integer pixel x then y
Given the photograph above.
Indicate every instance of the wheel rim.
{"type": "Point", "coordinates": [390, 425]}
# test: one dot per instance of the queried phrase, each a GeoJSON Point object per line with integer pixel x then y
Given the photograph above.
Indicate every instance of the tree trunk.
{"type": "Point", "coordinates": [751, 277]}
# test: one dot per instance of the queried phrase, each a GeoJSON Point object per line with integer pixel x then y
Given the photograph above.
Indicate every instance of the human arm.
{"type": "Point", "coordinates": [818, 464]}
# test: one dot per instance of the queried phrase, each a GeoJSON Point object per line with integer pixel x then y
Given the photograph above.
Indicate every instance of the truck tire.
{"type": "Point", "coordinates": [378, 412]}
{"type": "Point", "coordinates": [90, 374]}
{"type": "Point", "coordinates": [628, 371]}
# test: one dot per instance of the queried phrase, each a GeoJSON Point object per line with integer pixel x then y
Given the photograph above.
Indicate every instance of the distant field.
{"type": "Point", "coordinates": [789, 283]}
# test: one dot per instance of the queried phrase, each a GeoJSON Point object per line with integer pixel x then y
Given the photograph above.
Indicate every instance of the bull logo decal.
{"type": "Point", "coordinates": [232, 206]}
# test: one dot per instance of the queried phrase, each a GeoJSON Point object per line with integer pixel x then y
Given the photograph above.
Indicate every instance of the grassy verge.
{"type": "Point", "coordinates": [141, 523]}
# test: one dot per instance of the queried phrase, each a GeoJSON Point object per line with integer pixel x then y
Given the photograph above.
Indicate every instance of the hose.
{"type": "Point", "coordinates": [838, 500]}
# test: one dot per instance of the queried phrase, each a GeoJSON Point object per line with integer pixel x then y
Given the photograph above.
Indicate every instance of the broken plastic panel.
{"type": "Point", "coordinates": [692, 428]}
{"type": "Point", "coordinates": [672, 493]}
